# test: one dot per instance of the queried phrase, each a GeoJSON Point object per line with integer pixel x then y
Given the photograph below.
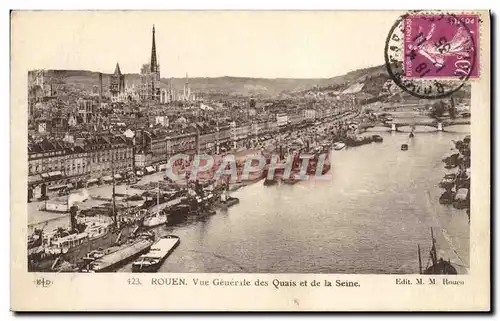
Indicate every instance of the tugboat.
{"type": "Point", "coordinates": [438, 266]}
{"type": "Point", "coordinates": [227, 200]}
{"type": "Point", "coordinates": [159, 251]}
{"type": "Point", "coordinates": [447, 197]}
{"type": "Point", "coordinates": [377, 138]}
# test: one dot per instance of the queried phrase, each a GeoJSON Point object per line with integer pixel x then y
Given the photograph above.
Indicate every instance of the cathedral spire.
{"type": "Point", "coordinates": [117, 69]}
{"type": "Point", "coordinates": [154, 63]}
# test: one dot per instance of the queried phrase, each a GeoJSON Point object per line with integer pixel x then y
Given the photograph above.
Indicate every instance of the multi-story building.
{"type": "Point", "coordinates": [151, 148]}
{"type": "Point", "coordinates": [86, 110]}
{"type": "Point", "coordinates": [54, 164]}
{"type": "Point", "coordinates": [295, 118]}
{"type": "Point", "coordinates": [161, 120]}
{"type": "Point", "coordinates": [310, 114]}
{"type": "Point", "coordinates": [183, 143]}
{"type": "Point", "coordinates": [157, 142]}
{"type": "Point", "coordinates": [142, 159]}
{"type": "Point", "coordinates": [109, 154]}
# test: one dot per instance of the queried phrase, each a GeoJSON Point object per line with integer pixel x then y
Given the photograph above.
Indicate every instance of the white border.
{"type": "Point", "coordinates": [214, 4]}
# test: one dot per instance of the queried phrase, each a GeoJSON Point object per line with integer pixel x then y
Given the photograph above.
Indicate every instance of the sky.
{"type": "Point", "coordinates": [267, 44]}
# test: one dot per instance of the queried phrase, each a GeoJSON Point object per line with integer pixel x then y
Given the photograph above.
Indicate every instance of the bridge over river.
{"type": "Point", "coordinates": [399, 122]}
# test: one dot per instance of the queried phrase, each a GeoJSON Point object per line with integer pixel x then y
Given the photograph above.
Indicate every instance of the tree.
{"type": "Point", "coordinates": [438, 109]}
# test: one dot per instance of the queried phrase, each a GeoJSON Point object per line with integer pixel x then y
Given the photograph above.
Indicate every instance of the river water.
{"type": "Point", "coordinates": [368, 218]}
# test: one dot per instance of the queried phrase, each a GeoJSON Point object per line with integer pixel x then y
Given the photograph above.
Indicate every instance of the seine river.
{"type": "Point", "coordinates": [379, 204]}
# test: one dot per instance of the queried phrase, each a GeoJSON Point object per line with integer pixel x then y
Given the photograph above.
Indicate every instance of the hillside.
{"type": "Point", "coordinates": [372, 80]}
{"type": "Point", "coordinates": [224, 85]}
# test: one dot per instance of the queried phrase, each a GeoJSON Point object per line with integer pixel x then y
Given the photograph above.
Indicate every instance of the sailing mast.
{"type": "Point", "coordinates": [433, 252]}
{"type": "Point", "coordinates": [419, 260]}
{"type": "Point", "coordinates": [158, 196]}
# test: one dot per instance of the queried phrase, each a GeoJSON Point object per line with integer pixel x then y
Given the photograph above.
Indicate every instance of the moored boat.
{"type": "Point", "coordinates": [450, 176]}
{"type": "Point", "coordinates": [159, 251]}
{"type": "Point", "coordinates": [447, 183]}
{"type": "Point", "coordinates": [439, 266]}
{"type": "Point", "coordinates": [291, 181]}
{"type": "Point", "coordinates": [270, 182]}
{"type": "Point", "coordinates": [447, 197]}
{"type": "Point", "coordinates": [72, 244]}
{"type": "Point", "coordinates": [377, 138]}
{"type": "Point", "coordinates": [461, 198]}
{"type": "Point", "coordinates": [178, 212]}
{"type": "Point", "coordinates": [358, 141]}
{"type": "Point", "coordinates": [120, 256]}
{"type": "Point", "coordinates": [338, 146]}
{"type": "Point", "coordinates": [227, 201]}
{"type": "Point", "coordinates": [155, 220]}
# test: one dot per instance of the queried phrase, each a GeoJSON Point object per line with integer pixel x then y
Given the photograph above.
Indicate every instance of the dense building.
{"type": "Point", "coordinates": [150, 77]}
{"type": "Point", "coordinates": [52, 165]}
{"type": "Point", "coordinates": [87, 110]}
{"type": "Point", "coordinates": [38, 86]}
{"type": "Point", "coordinates": [183, 143]}
{"type": "Point", "coordinates": [186, 94]}
{"type": "Point", "coordinates": [109, 153]}
{"type": "Point", "coordinates": [55, 165]}
{"type": "Point", "coordinates": [56, 158]}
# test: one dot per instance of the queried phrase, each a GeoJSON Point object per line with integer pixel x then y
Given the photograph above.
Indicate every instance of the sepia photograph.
{"type": "Point", "coordinates": [252, 143]}
{"type": "Point", "coordinates": [132, 170]}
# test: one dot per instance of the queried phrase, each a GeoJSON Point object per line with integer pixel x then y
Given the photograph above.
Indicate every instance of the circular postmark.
{"type": "Point", "coordinates": [432, 55]}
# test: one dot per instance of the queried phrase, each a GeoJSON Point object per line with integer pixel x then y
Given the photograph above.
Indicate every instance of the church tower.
{"type": "Point", "coordinates": [187, 90]}
{"type": "Point", "coordinates": [154, 62]}
{"type": "Point", "coordinates": [117, 83]}
{"type": "Point", "coordinates": [150, 76]}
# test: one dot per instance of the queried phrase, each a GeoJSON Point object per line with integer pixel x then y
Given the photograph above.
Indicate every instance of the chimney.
{"type": "Point", "coordinates": [73, 209]}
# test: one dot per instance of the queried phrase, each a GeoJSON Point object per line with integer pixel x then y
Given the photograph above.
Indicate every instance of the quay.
{"type": "Point", "coordinates": [101, 146]}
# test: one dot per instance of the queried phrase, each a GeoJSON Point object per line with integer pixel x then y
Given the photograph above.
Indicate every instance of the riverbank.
{"type": "Point", "coordinates": [368, 219]}
{"type": "Point", "coordinates": [456, 182]}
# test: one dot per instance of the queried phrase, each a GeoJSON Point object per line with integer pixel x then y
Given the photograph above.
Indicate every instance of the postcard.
{"type": "Point", "coordinates": [250, 160]}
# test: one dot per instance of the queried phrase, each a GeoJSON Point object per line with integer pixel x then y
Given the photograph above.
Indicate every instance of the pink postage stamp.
{"type": "Point", "coordinates": [441, 46]}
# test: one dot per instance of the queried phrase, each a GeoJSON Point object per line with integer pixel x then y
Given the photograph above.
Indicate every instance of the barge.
{"type": "Point", "coordinates": [115, 259]}
{"type": "Point", "coordinates": [151, 261]}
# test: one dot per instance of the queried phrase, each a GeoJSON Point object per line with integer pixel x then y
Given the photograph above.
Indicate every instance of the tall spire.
{"type": "Point", "coordinates": [117, 69]}
{"type": "Point", "coordinates": [154, 64]}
